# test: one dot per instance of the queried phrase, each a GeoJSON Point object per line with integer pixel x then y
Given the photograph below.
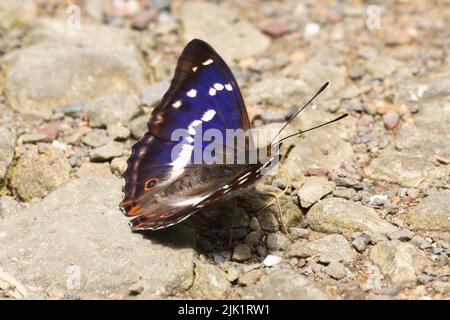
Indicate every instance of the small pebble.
{"type": "Point", "coordinates": [391, 120]}
{"type": "Point", "coordinates": [361, 242]}
{"type": "Point", "coordinates": [402, 235]}
{"type": "Point", "coordinates": [272, 260]}
{"type": "Point", "coordinates": [142, 19]}
{"type": "Point", "coordinates": [311, 30]}
{"type": "Point", "coordinates": [241, 252]}
{"type": "Point", "coordinates": [311, 171]}
{"type": "Point", "coordinates": [298, 233]}
{"type": "Point", "coordinates": [276, 29]}
{"type": "Point", "coordinates": [34, 137]}
{"type": "Point", "coordinates": [378, 199]}
{"type": "Point", "coordinates": [276, 242]}
{"type": "Point", "coordinates": [335, 270]}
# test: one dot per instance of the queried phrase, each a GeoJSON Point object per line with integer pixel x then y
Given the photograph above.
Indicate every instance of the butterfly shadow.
{"type": "Point", "coordinates": [216, 228]}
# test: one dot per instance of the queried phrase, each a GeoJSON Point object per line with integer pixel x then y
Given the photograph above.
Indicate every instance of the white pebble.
{"type": "Point", "coordinates": [271, 260]}
{"type": "Point", "coordinates": [311, 30]}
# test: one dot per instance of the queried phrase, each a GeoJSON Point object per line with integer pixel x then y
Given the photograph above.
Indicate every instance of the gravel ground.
{"type": "Point", "coordinates": [366, 206]}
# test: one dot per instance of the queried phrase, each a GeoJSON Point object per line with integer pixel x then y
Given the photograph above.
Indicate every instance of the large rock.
{"type": "Point", "coordinates": [232, 37]}
{"type": "Point", "coordinates": [209, 283]}
{"type": "Point", "coordinates": [401, 261]}
{"type": "Point", "coordinates": [7, 143]}
{"type": "Point", "coordinates": [324, 148]}
{"type": "Point", "coordinates": [90, 35]}
{"type": "Point", "coordinates": [432, 213]}
{"type": "Point", "coordinates": [60, 68]}
{"type": "Point", "coordinates": [285, 285]}
{"type": "Point", "coordinates": [337, 215]}
{"type": "Point", "coordinates": [410, 160]}
{"type": "Point", "coordinates": [8, 206]}
{"type": "Point", "coordinates": [38, 173]}
{"type": "Point", "coordinates": [77, 242]}
{"type": "Point", "coordinates": [16, 13]}
{"type": "Point", "coordinates": [331, 248]}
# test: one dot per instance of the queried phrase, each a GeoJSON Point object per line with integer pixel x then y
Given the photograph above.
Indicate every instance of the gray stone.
{"type": "Point", "coordinates": [277, 91]}
{"type": "Point", "coordinates": [343, 192]}
{"type": "Point", "coordinates": [7, 143]}
{"type": "Point", "coordinates": [299, 232]}
{"type": "Point", "coordinates": [209, 283]}
{"type": "Point", "coordinates": [33, 137]}
{"type": "Point", "coordinates": [95, 139]}
{"type": "Point", "coordinates": [336, 270]}
{"type": "Point", "coordinates": [268, 221]}
{"type": "Point", "coordinates": [330, 248]}
{"type": "Point", "coordinates": [241, 252]}
{"type": "Point", "coordinates": [409, 160]}
{"type": "Point", "coordinates": [76, 230]}
{"type": "Point", "coordinates": [361, 242]}
{"type": "Point", "coordinates": [114, 108]}
{"type": "Point", "coordinates": [336, 215]}
{"type": "Point", "coordinates": [249, 278]}
{"type": "Point", "coordinates": [152, 95]}
{"type": "Point", "coordinates": [314, 73]}
{"type": "Point", "coordinates": [59, 65]}
{"type": "Point", "coordinates": [401, 261]}
{"type": "Point", "coordinates": [138, 126]}
{"type": "Point", "coordinates": [402, 235]}
{"type": "Point", "coordinates": [159, 4]}
{"type": "Point", "coordinates": [316, 147]}
{"type": "Point", "coordinates": [253, 239]}
{"type": "Point", "coordinates": [284, 284]}
{"type": "Point", "coordinates": [232, 36]}
{"type": "Point", "coordinates": [254, 200]}
{"type": "Point", "coordinates": [8, 206]}
{"type": "Point", "coordinates": [17, 13]}
{"type": "Point", "coordinates": [118, 132]}
{"type": "Point", "coordinates": [382, 66]}
{"type": "Point", "coordinates": [432, 213]}
{"type": "Point", "coordinates": [442, 287]}
{"type": "Point", "coordinates": [275, 241]}
{"type": "Point", "coordinates": [424, 278]}
{"type": "Point", "coordinates": [314, 189]}
{"type": "Point", "coordinates": [420, 242]}
{"type": "Point", "coordinates": [119, 165]}
{"type": "Point", "coordinates": [106, 152]}
{"type": "Point", "coordinates": [36, 174]}
{"type": "Point", "coordinates": [88, 169]}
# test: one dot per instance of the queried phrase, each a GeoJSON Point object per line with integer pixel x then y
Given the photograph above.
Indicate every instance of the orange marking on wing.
{"type": "Point", "coordinates": [163, 215]}
{"type": "Point", "coordinates": [154, 182]}
{"type": "Point", "coordinates": [133, 210]}
{"type": "Point", "coordinates": [124, 203]}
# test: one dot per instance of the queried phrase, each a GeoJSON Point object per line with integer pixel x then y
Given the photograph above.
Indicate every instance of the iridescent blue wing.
{"type": "Point", "coordinates": [162, 186]}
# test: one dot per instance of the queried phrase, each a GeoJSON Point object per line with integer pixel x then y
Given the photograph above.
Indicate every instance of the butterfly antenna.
{"type": "Point", "coordinates": [299, 110]}
{"type": "Point", "coordinates": [310, 129]}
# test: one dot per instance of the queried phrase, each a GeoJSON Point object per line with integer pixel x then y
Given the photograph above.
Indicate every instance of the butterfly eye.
{"type": "Point", "coordinates": [150, 183]}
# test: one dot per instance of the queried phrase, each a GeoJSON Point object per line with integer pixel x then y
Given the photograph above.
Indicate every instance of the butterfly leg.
{"type": "Point", "coordinates": [276, 200]}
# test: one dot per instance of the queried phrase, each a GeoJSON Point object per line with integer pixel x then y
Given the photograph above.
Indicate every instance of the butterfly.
{"type": "Point", "coordinates": [164, 185]}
